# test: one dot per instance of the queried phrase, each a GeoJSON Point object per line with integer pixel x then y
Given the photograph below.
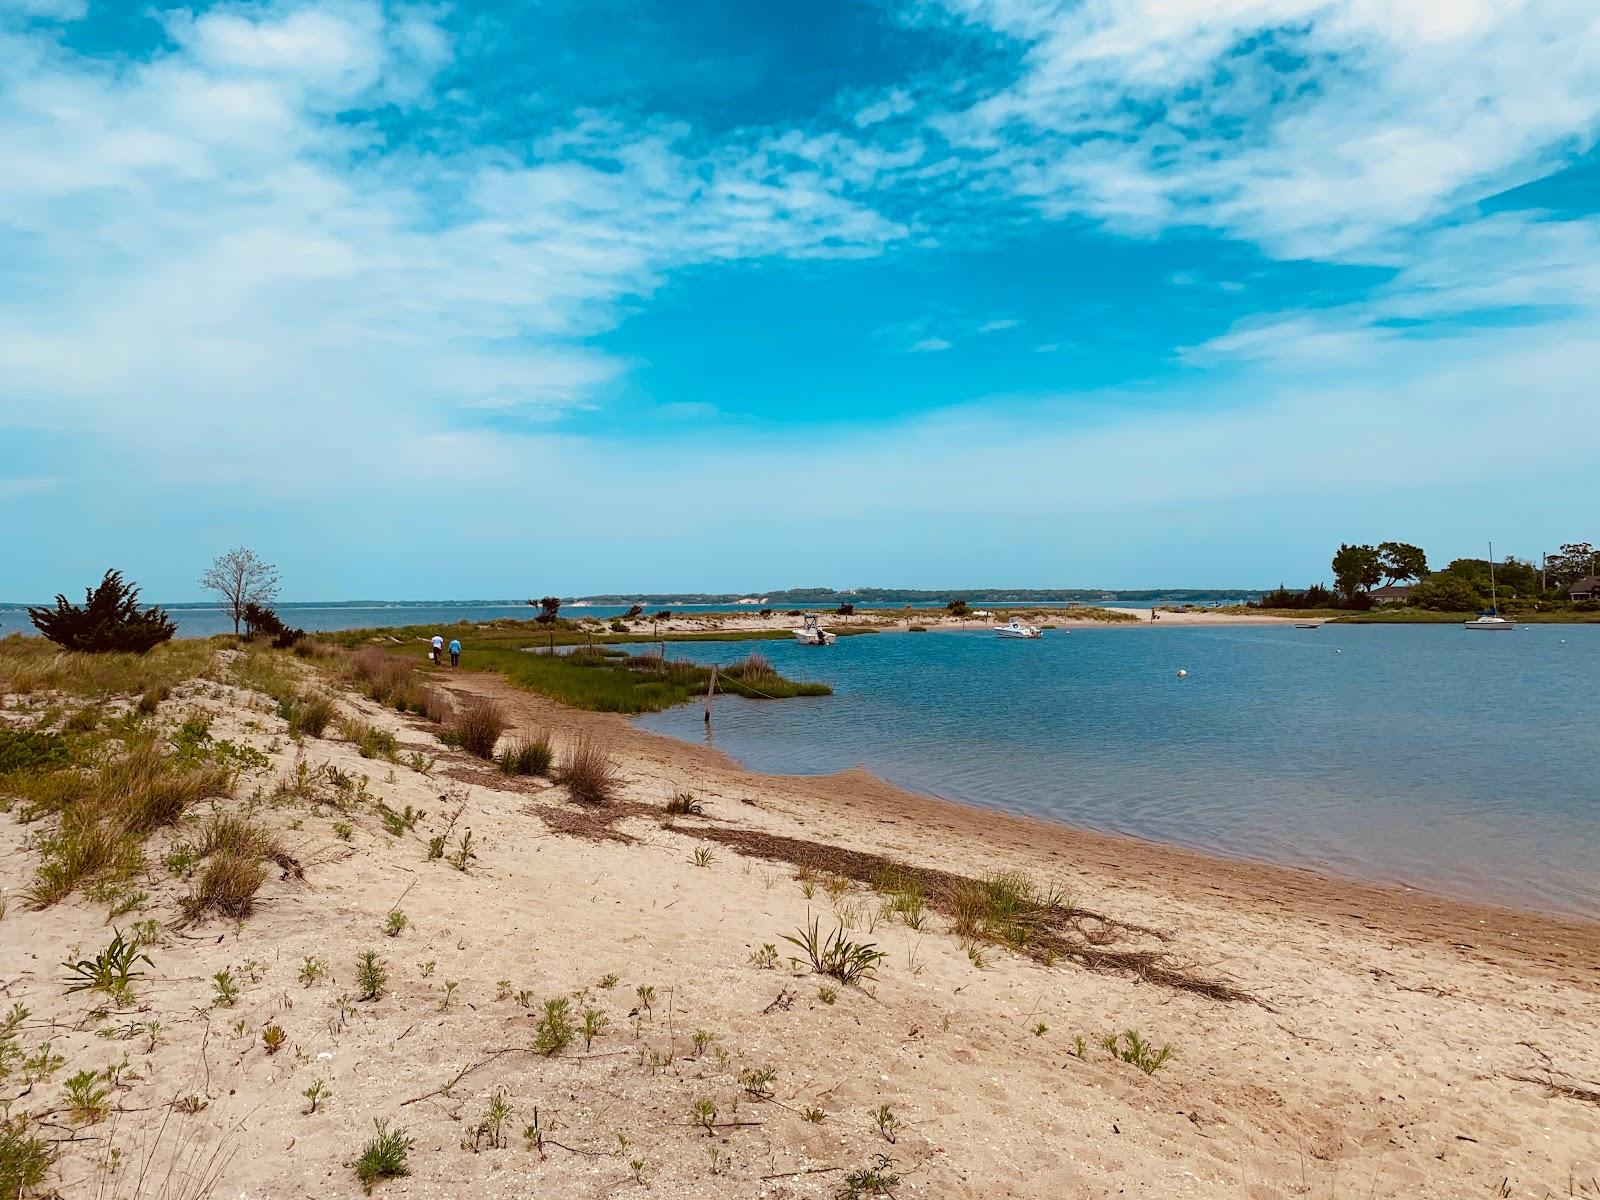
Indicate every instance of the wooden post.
{"type": "Point", "coordinates": [711, 688]}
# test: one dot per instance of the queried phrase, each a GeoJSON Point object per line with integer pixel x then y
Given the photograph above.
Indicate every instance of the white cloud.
{"type": "Point", "coordinates": [1313, 127]}
{"type": "Point", "coordinates": [930, 345]}
{"type": "Point", "coordinates": [204, 252]}
{"type": "Point", "coordinates": [998, 324]}
{"type": "Point", "coordinates": [50, 10]}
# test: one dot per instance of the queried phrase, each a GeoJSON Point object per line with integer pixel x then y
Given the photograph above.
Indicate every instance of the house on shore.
{"type": "Point", "coordinates": [1395, 593]}
{"type": "Point", "coordinates": [1587, 588]}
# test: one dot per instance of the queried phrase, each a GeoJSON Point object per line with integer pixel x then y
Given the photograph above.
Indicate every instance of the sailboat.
{"type": "Point", "coordinates": [1492, 619]}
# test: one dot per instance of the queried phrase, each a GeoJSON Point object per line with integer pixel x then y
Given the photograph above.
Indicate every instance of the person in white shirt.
{"type": "Point", "coordinates": [438, 649]}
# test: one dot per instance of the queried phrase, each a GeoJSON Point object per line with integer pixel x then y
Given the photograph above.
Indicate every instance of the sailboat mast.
{"type": "Point", "coordinates": [1494, 600]}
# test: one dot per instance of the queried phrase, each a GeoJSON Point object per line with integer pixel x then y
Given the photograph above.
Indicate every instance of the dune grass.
{"type": "Point", "coordinates": [31, 664]}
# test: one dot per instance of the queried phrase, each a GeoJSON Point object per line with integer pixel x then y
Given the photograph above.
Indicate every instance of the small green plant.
{"type": "Point", "coordinates": [1131, 1048]}
{"type": "Point", "coordinates": [191, 1104]}
{"type": "Point", "coordinates": [765, 958]}
{"type": "Point", "coordinates": [315, 1095]}
{"type": "Point", "coordinates": [463, 854]}
{"type": "Point", "coordinates": [1080, 1048]}
{"type": "Point", "coordinates": [1040, 1029]}
{"type": "Point", "coordinates": [395, 925]}
{"type": "Point", "coordinates": [182, 859]}
{"type": "Point", "coordinates": [312, 970]}
{"type": "Point", "coordinates": [704, 1114]}
{"type": "Point", "coordinates": [647, 996]}
{"type": "Point", "coordinates": [594, 1023]}
{"type": "Point", "coordinates": [684, 805]}
{"type": "Point", "coordinates": [702, 1041]}
{"type": "Point", "coordinates": [273, 1038]}
{"type": "Point", "coordinates": [449, 997]}
{"type": "Point", "coordinates": [887, 1123]}
{"type": "Point", "coordinates": [848, 962]}
{"type": "Point", "coordinates": [555, 1032]}
{"type": "Point", "coordinates": [384, 1157]}
{"type": "Point", "coordinates": [502, 989]}
{"type": "Point", "coordinates": [24, 1159]}
{"type": "Point", "coordinates": [827, 995]}
{"type": "Point", "coordinates": [609, 980]}
{"type": "Point", "coordinates": [147, 932]}
{"type": "Point", "coordinates": [224, 989]}
{"type": "Point", "coordinates": [813, 1114]}
{"type": "Point", "coordinates": [877, 1180]}
{"type": "Point", "coordinates": [703, 857]}
{"type": "Point", "coordinates": [436, 847]}
{"type": "Point", "coordinates": [758, 1081]}
{"type": "Point", "coordinates": [420, 762]}
{"type": "Point", "coordinates": [426, 969]}
{"type": "Point", "coordinates": [42, 1065]}
{"type": "Point", "coordinates": [372, 976]}
{"type": "Point", "coordinates": [86, 1098]}
{"type": "Point", "coordinates": [110, 971]}
{"type": "Point", "coordinates": [491, 1129]}
{"type": "Point", "coordinates": [344, 831]}
{"type": "Point", "coordinates": [398, 823]}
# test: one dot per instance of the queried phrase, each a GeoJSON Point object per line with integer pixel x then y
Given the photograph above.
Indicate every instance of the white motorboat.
{"type": "Point", "coordinates": [811, 634]}
{"type": "Point", "coordinates": [1491, 619]}
{"type": "Point", "coordinates": [1014, 628]}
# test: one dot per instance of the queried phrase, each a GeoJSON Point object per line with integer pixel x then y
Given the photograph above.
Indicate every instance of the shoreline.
{"type": "Point", "coordinates": [1568, 944]}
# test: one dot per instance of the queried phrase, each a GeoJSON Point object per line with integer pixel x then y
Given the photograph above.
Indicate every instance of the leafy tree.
{"type": "Point", "coordinates": [846, 609]}
{"type": "Point", "coordinates": [957, 608]}
{"type": "Point", "coordinates": [109, 620]}
{"type": "Point", "coordinates": [1569, 564]}
{"type": "Point", "coordinates": [1447, 592]}
{"type": "Point", "coordinates": [1401, 561]}
{"type": "Point", "coordinates": [240, 577]}
{"type": "Point", "coordinates": [632, 612]}
{"type": "Point", "coordinates": [1356, 569]}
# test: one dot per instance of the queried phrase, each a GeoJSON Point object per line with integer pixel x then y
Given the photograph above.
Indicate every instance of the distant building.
{"type": "Point", "coordinates": [1587, 588]}
{"type": "Point", "coordinates": [1395, 593]}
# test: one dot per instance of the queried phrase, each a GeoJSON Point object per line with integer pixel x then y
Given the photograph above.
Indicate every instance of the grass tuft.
{"type": "Point", "coordinates": [384, 1157]}
{"type": "Point", "coordinates": [528, 756]}
{"type": "Point", "coordinates": [478, 726]}
{"type": "Point", "coordinates": [590, 773]}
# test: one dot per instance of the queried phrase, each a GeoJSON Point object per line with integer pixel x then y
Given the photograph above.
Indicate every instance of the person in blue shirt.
{"type": "Point", "coordinates": [455, 652]}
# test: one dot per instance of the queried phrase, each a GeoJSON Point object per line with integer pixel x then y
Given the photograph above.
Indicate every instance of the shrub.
{"type": "Point", "coordinates": [109, 620]}
{"type": "Point", "coordinates": [369, 740]}
{"type": "Point", "coordinates": [528, 756]}
{"type": "Point", "coordinates": [684, 804]}
{"type": "Point", "coordinates": [1131, 1048]}
{"type": "Point", "coordinates": [24, 1159]}
{"type": "Point", "coordinates": [590, 773]}
{"type": "Point", "coordinates": [478, 726]}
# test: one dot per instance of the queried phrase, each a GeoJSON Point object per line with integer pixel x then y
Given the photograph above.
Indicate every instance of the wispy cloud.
{"type": "Point", "coordinates": [930, 345]}
{"type": "Point", "coordinates": [1312, 127]}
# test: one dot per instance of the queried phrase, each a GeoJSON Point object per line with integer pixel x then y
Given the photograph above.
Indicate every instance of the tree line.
{"type": "Point", "coordinates": [1463, 586]}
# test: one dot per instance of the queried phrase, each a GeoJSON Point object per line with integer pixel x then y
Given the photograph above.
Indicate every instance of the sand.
{"type": "Point", "coordinates": [1396, 1044]}
{"type": "Point", "coordinates": [937, 619]}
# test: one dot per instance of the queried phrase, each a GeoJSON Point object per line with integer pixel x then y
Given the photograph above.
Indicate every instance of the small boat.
{"type": "Point", "coordinates": [1308, 625]}
{"type": "Point", "coordinates": [810, 634]}
{"type": "Point", "coordinates": [1492, 619]}
{"type": "Point", "coordinates": [1014, 628]}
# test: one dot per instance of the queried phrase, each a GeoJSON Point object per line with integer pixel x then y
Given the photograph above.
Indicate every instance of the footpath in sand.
{"type": "Point", "coordinates": [1327, 1039]}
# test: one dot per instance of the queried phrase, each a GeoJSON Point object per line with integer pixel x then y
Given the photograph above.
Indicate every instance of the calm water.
{"type": "Point", "coordinates": [1455, 761]}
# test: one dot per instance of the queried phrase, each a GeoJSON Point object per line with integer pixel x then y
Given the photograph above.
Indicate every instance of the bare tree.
{"type": "Point", "coordinates": [241, 578]}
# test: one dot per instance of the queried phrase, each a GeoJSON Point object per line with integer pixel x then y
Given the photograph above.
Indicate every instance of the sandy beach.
{"type": "Point", "coordinates": [1328, 1038]}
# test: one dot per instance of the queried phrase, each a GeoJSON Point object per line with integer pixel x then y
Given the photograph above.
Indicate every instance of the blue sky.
{"type": "Point", "coordinates": [479, 299]}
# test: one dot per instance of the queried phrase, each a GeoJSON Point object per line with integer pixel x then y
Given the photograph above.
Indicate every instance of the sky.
{"type": "Point", "coordinates": [470, 299]}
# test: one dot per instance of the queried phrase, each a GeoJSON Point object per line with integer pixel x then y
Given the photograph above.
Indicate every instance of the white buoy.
{"type": "Point", "coordinates": [1183, 674]}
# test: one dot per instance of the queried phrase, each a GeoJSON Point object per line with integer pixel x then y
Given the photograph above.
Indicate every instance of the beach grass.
{"type": "Point", "coordinates": [634, 684]}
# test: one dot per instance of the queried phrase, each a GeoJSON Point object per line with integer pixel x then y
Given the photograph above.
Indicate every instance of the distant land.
{"type": "Point", "coordinates": [913, 596]}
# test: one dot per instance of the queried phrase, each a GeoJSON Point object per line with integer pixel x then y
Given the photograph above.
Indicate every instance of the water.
{"type": "Point", "coordinates": [1454, 761]}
